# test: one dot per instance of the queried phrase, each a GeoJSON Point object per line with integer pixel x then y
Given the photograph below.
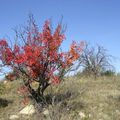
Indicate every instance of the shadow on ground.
{"type": "Point", "coordinates": [4, 102]}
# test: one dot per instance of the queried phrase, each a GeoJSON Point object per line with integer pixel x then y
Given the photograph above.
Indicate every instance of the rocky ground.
{"type": "Point", "coordinates": [77, 98]}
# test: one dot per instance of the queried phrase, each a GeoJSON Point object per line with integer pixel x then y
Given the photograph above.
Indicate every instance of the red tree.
{"type": "Point", "coordinates": [37, 57]}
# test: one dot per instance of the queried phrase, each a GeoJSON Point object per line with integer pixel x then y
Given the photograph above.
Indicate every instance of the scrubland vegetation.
{"type": "Point", "coordinates": [98, 99]}
{"type": "Point", "coordinates": [39, 76]}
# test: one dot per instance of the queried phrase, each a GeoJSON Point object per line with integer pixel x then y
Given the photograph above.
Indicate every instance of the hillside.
{"type": "Point", "coordinates": [77, 98]}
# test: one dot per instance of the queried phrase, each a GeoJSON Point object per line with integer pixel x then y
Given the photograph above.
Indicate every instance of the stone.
{"type": "Point", "coordinates": [82, 115]}
{"type": "Point", "coordinates": [46, 112]}
{"type": "Point", "coordinates": [13, 117]}
{"type": "Point", "coordinates": [28, 110]}
{"type": "Point", "coordinates": [5, 81]}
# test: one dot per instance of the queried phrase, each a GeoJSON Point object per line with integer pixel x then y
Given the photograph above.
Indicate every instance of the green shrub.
{"type": "Point", "coordinates": [108, 73]}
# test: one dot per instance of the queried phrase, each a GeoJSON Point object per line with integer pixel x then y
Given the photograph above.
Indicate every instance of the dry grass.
{"type": "Point", "coordinates": [97, 99]}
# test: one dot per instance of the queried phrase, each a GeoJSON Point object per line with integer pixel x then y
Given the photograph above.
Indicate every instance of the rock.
{"type": "Point", "coordinates": [46, 112]}
{"type": "Point", "coordinates": [13, 117]}
{"type": "Point", "coordinates": [5, 81]}
{"type": "Point", "coordinates": [28, 110]}
{"type": "Point", "coordinates": [82, 115]}
{"type": "Point", "coordinates": [89, 115]}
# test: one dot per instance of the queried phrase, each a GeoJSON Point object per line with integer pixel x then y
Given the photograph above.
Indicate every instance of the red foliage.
{"type": "Point", "coordinates": [11, 77]}
{"type": "Point", "coordinates": [39, 57]}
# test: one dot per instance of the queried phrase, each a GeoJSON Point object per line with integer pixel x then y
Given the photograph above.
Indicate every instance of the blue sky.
{"type": "Point", "coordinates": [96, 21]}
